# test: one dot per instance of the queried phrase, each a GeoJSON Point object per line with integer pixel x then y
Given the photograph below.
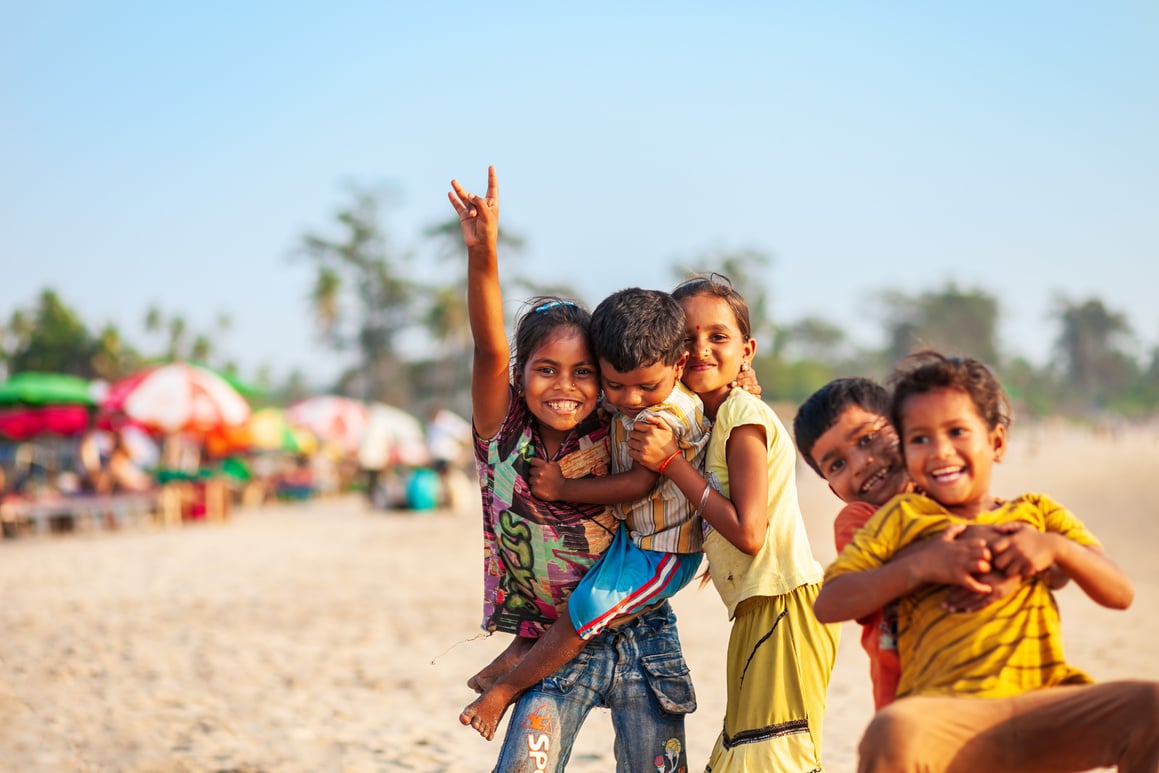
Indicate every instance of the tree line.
{"type": "Point", "coordinates": [366, 297]}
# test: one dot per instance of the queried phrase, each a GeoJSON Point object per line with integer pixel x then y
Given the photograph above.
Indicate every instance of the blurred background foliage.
{"type": "Point", "coordinates": [368, 303]}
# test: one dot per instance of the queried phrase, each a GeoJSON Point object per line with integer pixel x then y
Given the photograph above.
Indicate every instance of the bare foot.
{"type": "Point", "coordinates": [486, 710]}
{"type": "Point", "coordinates": [501, 665]}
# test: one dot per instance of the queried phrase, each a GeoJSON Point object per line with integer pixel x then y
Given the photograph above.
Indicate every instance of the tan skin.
{"type": "Point", "coordinates": [717, 353]}
{"type": "Point", "coordinates": [630, 393]}
{"type": "Point", "coordinates": [562, 371]}
{"type": "Point", "coordinates": [860, 459]}
{"type": "Point", "coordinates": [949, 453]}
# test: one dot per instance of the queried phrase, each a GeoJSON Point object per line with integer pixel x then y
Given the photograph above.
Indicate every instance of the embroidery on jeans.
{"type": "Point", "coordinates": [540, 720]}
{"type": "Point", "coordinates": [670, 760]}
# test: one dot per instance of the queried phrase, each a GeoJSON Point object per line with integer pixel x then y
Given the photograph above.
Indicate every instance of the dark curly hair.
{"type": "Point", "coordinates": [927, 370]}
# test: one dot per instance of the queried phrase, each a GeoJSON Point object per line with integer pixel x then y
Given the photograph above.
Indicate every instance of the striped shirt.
{"type": "Point", "coordinates": [1007, 648]}
{"type": "Point", "coordinates": [663, 520]}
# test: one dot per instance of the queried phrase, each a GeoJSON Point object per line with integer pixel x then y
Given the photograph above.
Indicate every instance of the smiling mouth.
{"type": "Point", "coordinates": [874, 480]}
{"type": "Point", "coordinates": [944, 475]}
{"type": "Point", "coordinates": [563, 406]}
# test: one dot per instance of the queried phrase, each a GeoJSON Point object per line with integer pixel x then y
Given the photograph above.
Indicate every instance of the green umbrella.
{"type": "Point", "coordinates": [35, 388]}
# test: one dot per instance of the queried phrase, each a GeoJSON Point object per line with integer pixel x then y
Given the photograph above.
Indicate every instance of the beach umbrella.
{"type": "Point", "coordinates": [37, 388]}
{"type": "Point", "coordinates": [392, 436]}
{"type": "Point", "coordinates": [177, 397]}
{"type": "Point", "coordinates": [23, 422]}
{"type": "Point", "coordinates": [268, 429]}
{"type": "Point", "coordinates": [333, 419]}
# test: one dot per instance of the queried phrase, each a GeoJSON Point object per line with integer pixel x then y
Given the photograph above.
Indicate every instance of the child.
{"type": "Point", "coordinates": [536, 551]}
{"type": "Point", "coordinates": [638, 337]}
{"type": "Point", "coordinates": [989, 690]}
{"type": "Point", "coordinates": [844, 434]}
{"type": "Point", "coordinates": [779, 657]}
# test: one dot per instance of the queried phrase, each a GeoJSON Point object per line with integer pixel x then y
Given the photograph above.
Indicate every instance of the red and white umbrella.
{"type": "Point", "coordinates": [177, 397]}
{"type": "Point", "coordinates": [332, 418]}
{"type": "Point", "coordinates": [392, 436]}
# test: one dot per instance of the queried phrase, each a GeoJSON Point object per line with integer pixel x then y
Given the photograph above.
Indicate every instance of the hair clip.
{"type": "Point", "coordinates": [552, 305]}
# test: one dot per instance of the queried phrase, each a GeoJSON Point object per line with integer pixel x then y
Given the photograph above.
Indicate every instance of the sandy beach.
{"type": "Point", "coordinates": [325, 636]}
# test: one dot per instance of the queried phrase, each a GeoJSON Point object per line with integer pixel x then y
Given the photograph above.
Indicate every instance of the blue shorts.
{"type": "Point", "coordinates": [625, 580]}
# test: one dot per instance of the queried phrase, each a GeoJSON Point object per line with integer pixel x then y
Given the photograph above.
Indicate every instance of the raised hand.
{"type": "Point", "coordinates": [478, 215]}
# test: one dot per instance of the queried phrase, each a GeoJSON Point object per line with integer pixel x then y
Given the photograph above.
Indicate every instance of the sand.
{"type": "Point", "coordinates": [325, 636]}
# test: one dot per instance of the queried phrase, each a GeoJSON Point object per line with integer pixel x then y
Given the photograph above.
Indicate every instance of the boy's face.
{"type": "Point", "coordinates": [949, 449]}
{"type": "Point", "coordinates": [639, 388]}
{"type": "Point", "coordinates": [860, 459]}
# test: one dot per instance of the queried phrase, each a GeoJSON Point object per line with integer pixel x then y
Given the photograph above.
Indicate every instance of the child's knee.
{"type": "Point", "coordinates": [886, 744]}
{"type": "Point", "coordinates": [1144, 699]}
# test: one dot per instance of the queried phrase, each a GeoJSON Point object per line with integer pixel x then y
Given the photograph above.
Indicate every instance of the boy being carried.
{"type": "Point", "coordinates": [638, 336]}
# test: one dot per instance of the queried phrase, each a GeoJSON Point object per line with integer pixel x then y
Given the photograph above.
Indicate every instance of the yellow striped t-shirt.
{"type": "Point", "coordinates": [1007, 648]}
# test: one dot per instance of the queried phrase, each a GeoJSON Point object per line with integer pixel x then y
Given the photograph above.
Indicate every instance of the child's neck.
{"type": "Point", "coordinates": [552, 440]}
{"type": "Point", "coordinates": [971, 510]}
{"type": "Point", "coordinates": [713, 400]}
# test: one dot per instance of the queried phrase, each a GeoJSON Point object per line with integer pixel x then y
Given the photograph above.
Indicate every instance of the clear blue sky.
{"type": "Point", "coordinates": [153, 153]}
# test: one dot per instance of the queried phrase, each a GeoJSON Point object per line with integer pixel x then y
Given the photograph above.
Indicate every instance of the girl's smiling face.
{"type": "Point", "coordinates": [561, 382]}
{"type": "Point", "coordinates": [949, 449]}
{"type": "Point", "coordinates": [716, 348]}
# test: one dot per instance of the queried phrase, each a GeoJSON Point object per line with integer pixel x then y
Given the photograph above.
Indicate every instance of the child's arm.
{"type": "Point", "coordinates": [743, 517]}
{"type": "Point", "coordinates": [1025, 550]}
{"type": "Point", "coordinates": [940, 560]}
{"type": "Point", "coordinates": [548, 484]}
{"type": "Point", "coordinates": [479, 219]}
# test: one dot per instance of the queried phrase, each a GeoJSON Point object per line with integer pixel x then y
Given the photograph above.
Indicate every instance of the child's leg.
{"type": "Point", "coordinates": [1070, 727]}
{"type": "Point", "coordinates": [779, 662]}
{"type": "Point", "coordinates": [554, 649]}
{"type": "Point", "coordinates": [502, 664]}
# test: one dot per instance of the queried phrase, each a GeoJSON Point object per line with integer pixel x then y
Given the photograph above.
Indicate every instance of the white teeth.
{"type": "Point", "coordinates": [876, 478]}
{"type": "Point", "coordinates": [563, 405]}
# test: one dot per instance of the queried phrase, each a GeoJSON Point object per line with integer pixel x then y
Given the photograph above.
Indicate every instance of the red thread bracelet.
{"type": "Point", "coordinates": [664, 464]}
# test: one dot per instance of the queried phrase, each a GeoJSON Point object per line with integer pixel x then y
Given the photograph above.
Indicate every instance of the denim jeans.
{"type": "Point", "coordinates": [638, 671]}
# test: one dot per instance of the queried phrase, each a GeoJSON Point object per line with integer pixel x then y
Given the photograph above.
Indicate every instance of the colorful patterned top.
{"type": "Point", "coordinates": [1007, 648]}
{"type": "Point", "coordinates": [534, 552]}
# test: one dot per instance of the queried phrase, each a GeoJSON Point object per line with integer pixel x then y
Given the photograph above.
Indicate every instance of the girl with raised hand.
{"type": "Point", "coordinates": [543, 405]}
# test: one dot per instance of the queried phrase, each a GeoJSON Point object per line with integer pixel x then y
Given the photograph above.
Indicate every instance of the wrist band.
{"type": "Point", "coordinates": [664, 464]}
{"type": "Point", "coordinates": [703, 499]}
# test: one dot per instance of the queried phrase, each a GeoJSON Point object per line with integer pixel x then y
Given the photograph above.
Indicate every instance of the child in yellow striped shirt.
{"type": "Point", "coordinates": [989, 690]}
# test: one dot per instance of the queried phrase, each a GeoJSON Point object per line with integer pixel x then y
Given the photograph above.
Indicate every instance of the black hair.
{"type": "Point", "coordinates": [719, 286]}
{"type": "Point", "coordinates": [927, 370]}
{"type": "Point", "coordinates": [823, 408]}
{"type": "Point", "coordinates": [634, 328]}
{"type": "Point", "coordinates": [542, 317]}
